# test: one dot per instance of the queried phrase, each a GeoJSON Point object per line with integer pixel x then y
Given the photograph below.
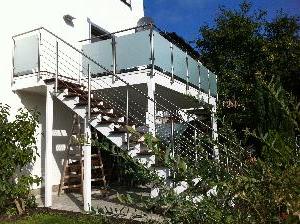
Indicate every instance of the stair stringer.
{"type": "Point", "coordinates": [106, 129]}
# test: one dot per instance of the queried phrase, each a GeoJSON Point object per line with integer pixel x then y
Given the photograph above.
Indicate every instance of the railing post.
{"type": "Point", "coordinates": [152, 58]}
{"type": "Point", "coordinates": [199, 79]}
{"type": "Point", "coordinates": [80, 68]}
{"type": "Point", "coordinates": [215, 133]}
{"type": "Point", "coordinates": [13, 62]}
{"type": "Point", "coordinates": [114, 58]}
{"type": "Point", "coordinates": [208, 77]}
{"type": "Point", "coordinates": [127, 116]}
{"type": "Point", "coordinates": [195, 142]}
{"type": "Point", "coordinates": [297, 145]}
{"type": "Point", "coordinates": [227, 159]}
{"type": "Point", "coordinates": [217, 95]}
{"type": "Point", "coordinates": [172, 136]}
{"type": "Point", "coordinates": [56, 75]}
{"type": "Point", "coordinates": [39, 56]}
{"type": "Point", "coordinates": [187, 70]}
{"type": "Point", "coordinates": [172, 62]}
{"type": "Point", "coordinates": [89, 94]}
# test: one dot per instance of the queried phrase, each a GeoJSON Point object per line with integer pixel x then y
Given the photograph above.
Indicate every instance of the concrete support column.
{"type": "Point", "coordinates": [151, 110]}
{"type": "Point", "coordinates": [214, 132]}
{"type": "Point", "coordinates": [48, 150]}
{"type": "Point", "coordinates": [87, 187]}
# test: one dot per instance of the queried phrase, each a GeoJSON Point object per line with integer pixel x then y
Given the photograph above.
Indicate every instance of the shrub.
{"type": "Point", "coordinates": [18, 151]}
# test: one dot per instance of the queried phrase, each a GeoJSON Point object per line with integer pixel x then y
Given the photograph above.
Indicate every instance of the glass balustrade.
{"type": "Point", "coordinates": [134, 50]}
{"type": "Point", "coordinates": [194, 72]}
{"type": "Point", "coordinates": [26, 55]}
{"type": "Point", "coordinates": [101, 52]}
{"type": "Point", "coordinates": [129, 52]}
{"type": "Point", "coordinates": [204, 82]}
{"type": "Point", "coordinates": [213, 84]}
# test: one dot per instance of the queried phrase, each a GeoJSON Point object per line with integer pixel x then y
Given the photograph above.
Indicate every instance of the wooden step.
{"type": "Point", "coordinates": [74, 165]}
{"type": "Point", "coordinates": [97, 167]}
{"type": "Point", "coordinates": [72, 176]}
{"type": "Point", "coordinates": [73, 95]}
{"type": "Point", "coordinates": [125, 129]}
{"type": "Point", "coordinates": [98, 179]}
{"type": "Point", "coordinates": [63, 83]}
{"type": "Point", "coordinates": [108, 114]}
{"type": "Point", "coordinates": [71, 186]}
{"type": "Point", "coordinates": [122, 123]}
{"type": "Point", "coordinates": [100, 105]}
{"type": "Point", "coordinates": [145, 153]}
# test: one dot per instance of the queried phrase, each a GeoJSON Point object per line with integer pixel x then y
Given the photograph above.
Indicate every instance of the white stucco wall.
{"type": "Point", "coordinates": [17, 16]}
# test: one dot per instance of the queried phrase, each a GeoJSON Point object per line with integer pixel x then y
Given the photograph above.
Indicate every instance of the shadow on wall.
{"type": "Point", "coordinates": [62, 124]}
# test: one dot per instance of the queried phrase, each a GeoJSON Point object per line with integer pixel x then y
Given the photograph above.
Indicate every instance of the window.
{"type": "Point", "coordinates": [127, 2]}
{"type": "Point", "coordinates": [98, 34]}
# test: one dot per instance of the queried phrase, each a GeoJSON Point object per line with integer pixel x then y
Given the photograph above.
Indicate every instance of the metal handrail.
{"type": "Point", "coordinates": [178, 139]}
{"type": "Point", "coordinates": [119, 78]}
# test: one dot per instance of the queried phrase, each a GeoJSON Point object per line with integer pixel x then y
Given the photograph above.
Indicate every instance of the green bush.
{"type": "Point", "coordinates": [18, 151]}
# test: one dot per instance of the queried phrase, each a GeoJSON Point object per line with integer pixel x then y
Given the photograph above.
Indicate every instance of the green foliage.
{"type": "Point", "coordinates": [243, 47]}
{"type": "Point", "coordinates": [131, 169]}
{"type": "Point", "coordinates": [48, 217]}
{"type": "Point", "coordinates": [18, 151]}
{"type": "Point", "coordinates": [247, 189]}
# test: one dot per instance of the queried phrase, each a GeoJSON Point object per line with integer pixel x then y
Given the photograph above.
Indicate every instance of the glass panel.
{"type": "Point", "coordinates": [163, 131]}
{"type": "Point", "coordinates": [162, 51]}
{"type": "Point", "coordinates": [179, 63]}
{"type": "Point", "coordinates": [204, 84]}
{"type": "Point", "coordinates": [193, 72]}
{"type": "Point", "coordinates": [213, 84]}
{"type": "Point", "coordinates": [101, 52]}
{"type": "Point", "coordinates": [133, 50]}
{"type": "Point", "coordinates": [26, 55]}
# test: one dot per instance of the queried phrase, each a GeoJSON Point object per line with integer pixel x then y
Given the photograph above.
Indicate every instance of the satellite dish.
{"type": "Point", "coordinates": [144, 23]}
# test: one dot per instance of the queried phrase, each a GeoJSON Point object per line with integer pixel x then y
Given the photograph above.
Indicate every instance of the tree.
{"type": "Point", "coordinates": [254, 60]}
{"type": "Point", "coordinates": [243, 47]}
{"type": "Point", "coordinates": [240, 188]}
{"type": "Point", "coordinates": [18, 151]}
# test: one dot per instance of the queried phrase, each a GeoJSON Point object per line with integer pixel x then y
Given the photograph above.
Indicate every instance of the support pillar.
{"type": "Point", "coordinates": [87, 187]}
{"type": "Point", "coordinates": [151, 110]}
{"type": "Point", "coordinates": [48, 150]}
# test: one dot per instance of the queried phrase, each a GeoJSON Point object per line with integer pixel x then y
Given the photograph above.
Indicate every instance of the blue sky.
{"type": "Point", "coordinates": [186, 16]}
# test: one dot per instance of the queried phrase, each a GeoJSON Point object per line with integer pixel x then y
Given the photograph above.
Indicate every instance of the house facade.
{"type": "Point", "coordinates": [99, 60]}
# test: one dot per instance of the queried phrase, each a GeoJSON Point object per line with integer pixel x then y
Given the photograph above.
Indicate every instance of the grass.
{"type": "Point", "coordinates": [58, 217]}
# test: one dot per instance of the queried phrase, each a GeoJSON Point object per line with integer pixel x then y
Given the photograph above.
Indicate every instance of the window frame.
{"type": "Point", "coordinates": [127, 2]}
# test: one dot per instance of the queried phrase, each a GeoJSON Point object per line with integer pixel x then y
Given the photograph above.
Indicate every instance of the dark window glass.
{"type": "Point", "coordinates": [98, 34]}
{"type": "Point", "coordinates": [127, 2]}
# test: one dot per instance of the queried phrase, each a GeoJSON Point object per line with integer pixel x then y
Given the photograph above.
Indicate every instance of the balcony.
{"type": "Point", "coordinates": [149, 49]}
{"type": "Point", "coordinates": [38, 52]}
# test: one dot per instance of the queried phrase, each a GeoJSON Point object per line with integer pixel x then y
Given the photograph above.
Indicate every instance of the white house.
{"type": "Point", "coordinates": [99, 60]}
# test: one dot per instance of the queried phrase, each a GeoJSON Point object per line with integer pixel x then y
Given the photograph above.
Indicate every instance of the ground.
{"type": "Point", "coordinates": [105, 200]}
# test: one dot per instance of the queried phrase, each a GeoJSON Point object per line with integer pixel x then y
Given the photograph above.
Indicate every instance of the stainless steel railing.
{"type": "Point", "coordinates": [62, 61]}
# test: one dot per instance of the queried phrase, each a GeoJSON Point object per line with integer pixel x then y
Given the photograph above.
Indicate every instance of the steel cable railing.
{"type": "Point", "coordinates": [187, 146]}
{"type": "Point", "coordinates": [107, 99]}
{"type": "Point", "coordinates": [136, 90]}
{"type": "Point", "coordinates": [107, 84]}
